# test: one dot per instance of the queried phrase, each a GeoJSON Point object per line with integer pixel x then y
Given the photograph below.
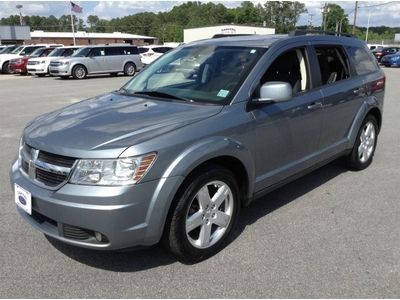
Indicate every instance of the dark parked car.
{"type": "Point", "coordinates": [391, 60]}
{"type": "Point", "coordinates": [174, 155]}
{"type": "Point", "coordinates": [379, 53]}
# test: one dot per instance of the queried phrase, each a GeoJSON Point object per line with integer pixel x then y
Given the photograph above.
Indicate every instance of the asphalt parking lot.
{"type": "Point", "coordinates": [333, 233]}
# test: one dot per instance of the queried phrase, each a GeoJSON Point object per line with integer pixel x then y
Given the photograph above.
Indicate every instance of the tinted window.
{"type": "Point", "coordinates": [161, 49]}
{"type": "Point", "coordinates": [333, 64]}
{"type": "Point", "coordinates": [143, 50]}
{"type": "Point", "coordinates": [130, 50]}
{"type": "Point", "coordinates": [290, 67]}
{"type": "Point", "coordinates": [29, 50]}
{"type": "Point", "coordinates": [69, 52]}
{"type": "Point", "coordinates": [114, 51]}
{"type": "Point", "coordinates": [97, 52]}
{"type": "Point", "coordinates": [363, 63]}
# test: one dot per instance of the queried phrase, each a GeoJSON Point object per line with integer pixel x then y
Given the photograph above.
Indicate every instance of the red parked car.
{"type": "Point", "coordinates": [18, 65]}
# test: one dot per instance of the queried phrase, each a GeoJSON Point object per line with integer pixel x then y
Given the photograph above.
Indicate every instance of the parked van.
{"type": "Point", "coordinates": [98, 59]}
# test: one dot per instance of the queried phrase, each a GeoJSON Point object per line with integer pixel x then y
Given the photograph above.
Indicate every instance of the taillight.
{"type": "Point", "coordinates": [378, 85]}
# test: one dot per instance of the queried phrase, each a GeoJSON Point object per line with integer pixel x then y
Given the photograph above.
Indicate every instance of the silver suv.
{"type": "Point", "coordinates": [98, 60]}
{"type": "Point", "coordinates": [201, 132]}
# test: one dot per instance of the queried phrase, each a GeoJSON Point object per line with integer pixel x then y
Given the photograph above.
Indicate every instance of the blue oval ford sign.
{"type": "Point", "coordinates": [22, 199]}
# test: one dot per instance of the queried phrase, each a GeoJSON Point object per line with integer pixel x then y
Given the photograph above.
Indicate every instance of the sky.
{"type": "Point", "coordinates": [381, 12]}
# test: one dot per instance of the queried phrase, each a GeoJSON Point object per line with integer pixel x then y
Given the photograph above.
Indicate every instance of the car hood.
{"type": "Point", "coordinates": [106, 125]}
{"type": "Point", "coordinates": [392, 55]}
{"type": "Point", "coordinates": [5, 57]}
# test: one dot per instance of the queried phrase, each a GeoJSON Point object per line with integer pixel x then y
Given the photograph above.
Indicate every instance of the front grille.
{"type": "Point", "coordinates": [33, 62]}
{"type": "Point", "coordinates": [49, 169]}
{"type": "Point", "coordinates": [58, 160]}
{"type": "Point", "coordinates": [49, 178]}
{"type": "Point", "coordinates": [76, 233]}
{"type": "Point", "coordinates": [55, 64]}
{"type": "Point", "coordinates": [54, 71]}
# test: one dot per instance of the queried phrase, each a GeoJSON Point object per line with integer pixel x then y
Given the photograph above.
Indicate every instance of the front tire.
{"type": "Point", "coordinates": [6, 68]}
{"type": "Point", "coordinates": [129, 69]}
{"type": "Point", "coordinates": [79, 72]}
{"type": "Point", "coordinates": [203, 215]}
{"type": "Point", "coordinates": [364, 148]}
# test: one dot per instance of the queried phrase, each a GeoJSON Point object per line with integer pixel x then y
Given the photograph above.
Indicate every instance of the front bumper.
{"type": "Point", "coordinates": [60, 70]}
{"type": "Point", "coordinates": [37, 69]}
{"type": "Point", "coordinates": [126, 216]}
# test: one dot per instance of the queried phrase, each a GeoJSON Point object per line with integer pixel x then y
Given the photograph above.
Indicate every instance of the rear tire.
{"type": "Point", "coordinates": [203, 214]}
{"type": "Point", "coordinates": [364, 148]}
{"type": "Point", "coordinates": [79, 72]}
{"type": "Point", "coordinates": [129, 69]}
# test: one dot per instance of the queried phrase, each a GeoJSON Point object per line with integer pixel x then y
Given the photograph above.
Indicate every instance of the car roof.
{"type": "Point", "coordinates": [266, 41]}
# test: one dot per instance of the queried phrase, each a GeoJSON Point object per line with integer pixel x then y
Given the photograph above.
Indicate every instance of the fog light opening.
{"type": "Point", "coordinates": [98, 236]}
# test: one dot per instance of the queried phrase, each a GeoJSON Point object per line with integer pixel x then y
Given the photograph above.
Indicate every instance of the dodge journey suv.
{"type": "Point", "coordinates": [176, 153]}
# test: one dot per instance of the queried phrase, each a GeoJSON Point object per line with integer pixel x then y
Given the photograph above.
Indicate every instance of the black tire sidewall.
{"type": "Point", "coordinates": [127, 66]}
{"type": "Point", "coordinates": [186, 250]}
{"type": "Point", "coordinates": [354, 160]}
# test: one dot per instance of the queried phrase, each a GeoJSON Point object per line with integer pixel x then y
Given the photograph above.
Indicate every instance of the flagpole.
{"type": "Point", "coordinates": [72, 26]}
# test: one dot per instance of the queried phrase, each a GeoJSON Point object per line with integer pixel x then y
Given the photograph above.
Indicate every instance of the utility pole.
{"type": "Point", "coordinates": [310, 21]}
{"type": "Point", "coordinates": [21, 20]}
{"type": "Point", "coordinates": [366, 34]}
{"type": "Point", "coordinates": [355, 18]}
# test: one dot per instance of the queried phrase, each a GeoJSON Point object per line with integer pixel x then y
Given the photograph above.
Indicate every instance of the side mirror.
{"type": "Point", "coordinates": [274, 91]}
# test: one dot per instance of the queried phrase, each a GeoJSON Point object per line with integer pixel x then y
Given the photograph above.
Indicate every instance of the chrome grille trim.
{"type": "Point", "coordinates": [44, 173]}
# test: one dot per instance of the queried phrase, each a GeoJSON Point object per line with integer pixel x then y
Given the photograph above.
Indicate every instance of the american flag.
{"type": "Point", "coordinates": [76, 8]}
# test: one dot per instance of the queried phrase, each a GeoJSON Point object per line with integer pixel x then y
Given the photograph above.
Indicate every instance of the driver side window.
{"type": "Point", "coordinates": [291, 67]}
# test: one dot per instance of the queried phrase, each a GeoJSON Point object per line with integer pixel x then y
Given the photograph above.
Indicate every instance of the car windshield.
{"type": "Point", "coordinates": [211, 74]}
{"type": "Point", "coordinates": [37, 52]}
{"type": "Point", "coordinates": [57, 52]}
{"type": "Point", "coordinates": [81, 52]}
{"type": "Point", "coordinates": [6, 50]}
{"type": "Point", "coordinates": [17, 50]}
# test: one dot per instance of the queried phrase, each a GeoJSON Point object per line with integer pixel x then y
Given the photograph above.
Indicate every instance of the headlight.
{"type": "Point", "coordinates": [43, 62]}
{"type": "Point", "coordinates": [121, 171]}
{"type": "Point", "coordinates": [396, 58]}
{"type": "Point", "coordinates": [65, 62]}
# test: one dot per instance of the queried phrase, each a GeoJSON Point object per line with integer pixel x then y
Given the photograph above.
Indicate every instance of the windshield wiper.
{"type": "Point", "coordinates": [162, 95]}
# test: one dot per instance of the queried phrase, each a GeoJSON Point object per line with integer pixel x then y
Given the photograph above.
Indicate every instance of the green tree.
{"type": "Point", "coordinates": [336, 18]}
{"type": "Point", "coordinates": [283, 15]}
{"type": "Point", "coordinates": [92, 20]}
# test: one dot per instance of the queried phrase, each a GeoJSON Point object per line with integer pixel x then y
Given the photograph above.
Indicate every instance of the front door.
{"type": "Point", "coordinates": [288, 133]}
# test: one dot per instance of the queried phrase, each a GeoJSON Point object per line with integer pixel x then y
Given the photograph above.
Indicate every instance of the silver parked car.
{"type": "Point", "coordinates": [98, 60]}
{"type": "Point", "coordinates": [201, 132]}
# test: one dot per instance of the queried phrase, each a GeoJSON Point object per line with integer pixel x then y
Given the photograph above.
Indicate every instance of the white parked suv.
{"type": "Point", "coordinates": [98, 59]}
{"type": "Point", "coordinates": [148, 54]}
{"type": "Point", "coordinates": [23, 50]}
{"type": "Point", "coordinates": [40, 65]}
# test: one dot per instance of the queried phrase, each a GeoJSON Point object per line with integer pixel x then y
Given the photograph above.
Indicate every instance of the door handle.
{"type": "Point", "coordinates": [315, 105]}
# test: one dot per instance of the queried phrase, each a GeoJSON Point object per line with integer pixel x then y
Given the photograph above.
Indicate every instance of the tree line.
{"type": "Point", "coordinates": [168, 26]}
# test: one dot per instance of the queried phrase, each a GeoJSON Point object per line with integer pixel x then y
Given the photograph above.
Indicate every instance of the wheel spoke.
{"type": "Point", "coordinates": [222, 219]}
{"type": "Point", "coordinates": [205, 234]}
{"type": "Point", "coordinates": [194, 221]}
{"type": "Point", "coordinates": [220, 196]}
{"type": "Point", "coordinates": [204, 197]}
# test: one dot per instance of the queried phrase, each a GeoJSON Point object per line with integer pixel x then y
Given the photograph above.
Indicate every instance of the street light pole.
{"type": "Point", "coordinates": [21, 21]}
{"type": "Point", "coordinates": [366, 34]}
{"type": "Point", "coordinates": [355, 18]}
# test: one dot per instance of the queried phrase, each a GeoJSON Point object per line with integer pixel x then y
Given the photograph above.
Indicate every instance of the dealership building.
{"type": "Point", "coordinates": [195, 34]}
{"type": "Point", "coordinates": [23, 35]}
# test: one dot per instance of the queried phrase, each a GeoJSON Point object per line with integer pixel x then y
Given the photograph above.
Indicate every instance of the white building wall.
{"type": "Point", "coordinates": [195, 34]}
{"type": "Point", "coordinates": [397, 37]}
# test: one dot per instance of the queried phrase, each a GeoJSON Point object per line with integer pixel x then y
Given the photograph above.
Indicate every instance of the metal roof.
{"type": "Point", "coordinates": [88, 35]}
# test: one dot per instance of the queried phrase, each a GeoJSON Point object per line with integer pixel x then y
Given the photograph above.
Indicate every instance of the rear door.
{"type": "Point", "coordinates": [114, 58]}
{"type": "Point", "coordinates": [343, 94]}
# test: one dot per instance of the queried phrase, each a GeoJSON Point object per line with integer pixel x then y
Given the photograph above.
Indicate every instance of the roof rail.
{"type": "Point", "coordinates": [298, 32]}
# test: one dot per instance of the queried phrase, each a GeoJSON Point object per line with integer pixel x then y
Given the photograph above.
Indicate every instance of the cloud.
{"type": "Point", "coordinates": [387, 14]}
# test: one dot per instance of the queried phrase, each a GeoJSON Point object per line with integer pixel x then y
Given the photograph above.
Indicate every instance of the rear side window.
{"type": "Point", "coordinates": [143, 50]}
{"type": "Point", "coordinates": [161, 49]}
{"type": "Point", "coordinates": [114, 51]}
{"type": "Point", "coordinates": [130, 50]}
{"type": "Point", "coordinates": [363, 62]}
{"type": "Point", "coordinates": [333, 64]}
